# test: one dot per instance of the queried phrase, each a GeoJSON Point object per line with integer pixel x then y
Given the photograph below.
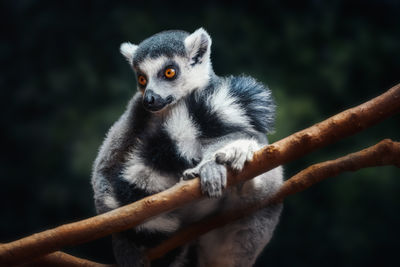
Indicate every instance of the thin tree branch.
{"type": "Point", "coordinates": [301, 143]}
{"type": "Point", "coordinates": [385, 152]}
{"type": "Point", "coordinates": [61, 259]}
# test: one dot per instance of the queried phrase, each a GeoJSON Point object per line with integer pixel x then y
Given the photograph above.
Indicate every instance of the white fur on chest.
{"type": "Point", "coordinates": [183, 132]}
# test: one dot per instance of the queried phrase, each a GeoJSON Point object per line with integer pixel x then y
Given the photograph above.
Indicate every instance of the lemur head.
{"type": "Point", "coordinates": [170, 65]}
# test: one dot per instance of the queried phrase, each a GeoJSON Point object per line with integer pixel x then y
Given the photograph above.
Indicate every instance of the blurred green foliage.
{"type": "Point", "coordinates": [63, 83]}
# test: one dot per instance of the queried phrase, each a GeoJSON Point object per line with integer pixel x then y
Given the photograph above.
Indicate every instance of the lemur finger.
{"type": "Point", "coordinates": [217, 177]}
{"type": "Point", "coordinates": [213, 181]}
{"type": "Point", "coordinates": [239, 161]}
{"type": "Point", "coordinates": [222, 173]}
{"type": "Point", "coordinates": [190, 174]}
{"type": "Point", "coordinates": [250, 153]}
{"type": "Point", "coordinates": [204, 180]}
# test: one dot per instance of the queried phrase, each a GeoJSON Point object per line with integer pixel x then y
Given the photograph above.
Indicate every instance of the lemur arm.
{"type": "Point", "coordinates": [231, 150]}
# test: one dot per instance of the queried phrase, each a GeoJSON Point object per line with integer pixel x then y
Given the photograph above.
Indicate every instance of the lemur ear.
{"type": "Point", "coordinates": [128, 51]}
{"type": "Point", "coordinates": [198, 46]}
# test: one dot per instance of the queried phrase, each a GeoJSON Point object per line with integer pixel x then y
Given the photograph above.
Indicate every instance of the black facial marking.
{"type": "Point", "coordinates": [167, 65]}
{"type": "Point", "coordinates": [138, 74]}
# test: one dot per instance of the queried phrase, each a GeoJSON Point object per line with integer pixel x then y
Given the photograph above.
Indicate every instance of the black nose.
{"type": "Point", "coordinates": [148, 99]}
{"type": "Point", "coordinates": [153, 101]}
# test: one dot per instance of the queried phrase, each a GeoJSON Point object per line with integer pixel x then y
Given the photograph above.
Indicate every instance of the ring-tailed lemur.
{"type": "Point", "coordinates": [185, 122]}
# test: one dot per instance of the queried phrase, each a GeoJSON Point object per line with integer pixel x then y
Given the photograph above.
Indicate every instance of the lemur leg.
{"type": "Point", "coordinates": [126, 253]}
{"type": "Point", "coordinates": [238, 244]}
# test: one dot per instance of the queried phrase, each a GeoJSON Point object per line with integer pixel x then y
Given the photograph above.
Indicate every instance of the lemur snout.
{"type": "Point", "coordinates": [154, 102]}
{"type": "Point", "coordinates": [149, 98]}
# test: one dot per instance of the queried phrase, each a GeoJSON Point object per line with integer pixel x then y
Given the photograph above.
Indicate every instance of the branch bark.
{"type": "Point", "coordinates": [61, 259]}
{"type": "Point", "coordinates": [337, 127]}
{"type": "Point", "coordinates": [385, 152]}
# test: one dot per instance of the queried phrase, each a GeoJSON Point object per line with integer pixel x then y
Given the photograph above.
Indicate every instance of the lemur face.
{"type": "Point", "coordinates": [170, 65]}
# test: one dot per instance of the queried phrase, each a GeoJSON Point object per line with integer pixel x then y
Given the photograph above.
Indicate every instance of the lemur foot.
{"type": "Point", "coordinates": [212, 177]}
{"type": "Point", "coordinates": [237, 153]}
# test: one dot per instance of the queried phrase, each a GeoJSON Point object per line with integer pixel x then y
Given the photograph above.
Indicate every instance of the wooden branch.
{"type": "Point", "coordinates": [385, 152]}
{"type": "Point", "coordinates": [301, 143]}
{"type": "Point", "coordinates": [61, 259]}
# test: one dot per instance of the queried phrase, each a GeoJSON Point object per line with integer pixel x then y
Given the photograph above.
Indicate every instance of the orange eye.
{"type": "Point", "coordinates": [170, 73]}
{"type": "Point", "coordinates": [142, 80]}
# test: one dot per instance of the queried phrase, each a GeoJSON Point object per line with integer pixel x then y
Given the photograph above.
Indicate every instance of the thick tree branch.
{"type": "Point", "coordinates": [385, 152]}
{"type": "Point", "coordinates": [337, 127]}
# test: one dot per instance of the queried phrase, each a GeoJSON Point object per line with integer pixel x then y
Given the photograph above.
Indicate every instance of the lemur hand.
{"type": "Point", "coordinates": [212, 177]}
{"type": "Point", "coordinates": [237, 153]}
{"type": "Point", "coordinates": [212, 172]}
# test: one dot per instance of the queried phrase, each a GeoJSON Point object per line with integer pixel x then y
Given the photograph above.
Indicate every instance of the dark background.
{"type": "Point", "coordinates": [63, 83]}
